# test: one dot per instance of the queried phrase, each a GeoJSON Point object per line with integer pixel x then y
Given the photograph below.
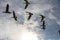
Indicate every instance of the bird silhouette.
{"type": "Point", "coordinates": [7, 9]}
{"type": "Point", "coordinates": [43, 25]}
{"type": "Point", "coordinates": [30, 14]}
{"type": "Point", "coordinates": [27, 3]}
{"type": "Point", "coordinates": [59, 31]}
{"type": "Point", "coordinates": [42, 17]}
{"type": "Point", "coordinates": [14, 16]}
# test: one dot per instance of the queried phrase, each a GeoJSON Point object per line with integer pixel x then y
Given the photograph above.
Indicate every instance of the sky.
{"type": "Point", "coordinates": [22, 29]}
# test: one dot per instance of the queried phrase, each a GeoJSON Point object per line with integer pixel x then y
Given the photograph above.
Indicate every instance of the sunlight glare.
{"type": "Point", "coordinates": [29, 36]}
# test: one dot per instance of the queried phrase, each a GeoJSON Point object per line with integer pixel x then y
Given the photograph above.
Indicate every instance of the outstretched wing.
{"type": "Point", "coordinates": [7, 12]}
{"type": "Point", "coordinates": [29, 17]}
{"type": "Point", "coordinates": [26, 6]}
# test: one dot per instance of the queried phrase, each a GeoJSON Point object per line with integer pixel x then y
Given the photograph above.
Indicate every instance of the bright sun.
{"type": "Point", "coordinates": [29, 36]}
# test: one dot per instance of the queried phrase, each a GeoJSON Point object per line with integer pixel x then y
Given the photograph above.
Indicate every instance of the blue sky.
{"type": "Point", "coordinates": [10, 29]}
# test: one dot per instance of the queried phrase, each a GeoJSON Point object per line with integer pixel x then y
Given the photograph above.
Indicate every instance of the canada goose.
{"type": "Point", "coordinates": [14, 16]}
{"type": "Point", "coordinates": [42, 17]}
{"type": "Point", "coordinates": [7, 9]}
{"type": "Point", "coordinates": [27, 3]}
{"type": "Point", "coordinates": [30, 14]}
